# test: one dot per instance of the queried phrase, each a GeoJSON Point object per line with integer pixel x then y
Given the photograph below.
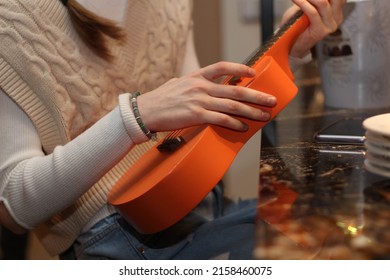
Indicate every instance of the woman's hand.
{"type": "Point", "coordinates": [197, 99]}
{"type": "Point", "coordinates": [324, 16]}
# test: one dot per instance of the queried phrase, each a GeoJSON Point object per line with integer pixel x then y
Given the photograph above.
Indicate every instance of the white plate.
{"type": "Point", "coordinates": [371, 167]}
{"type": "Point", "coordinates": [378, 139]}
{"type": "Point", "coordinates": [378, 159]}
{"type": "Point", "coordinates": [379, 124]}
{"type": "Point", "coordinates": [377, 148]}
{"type": "Point", "coordinates": [377, 151]}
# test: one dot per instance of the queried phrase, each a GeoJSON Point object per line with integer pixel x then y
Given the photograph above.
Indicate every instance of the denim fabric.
{"type": "Point", "coordinates": [230, 234]}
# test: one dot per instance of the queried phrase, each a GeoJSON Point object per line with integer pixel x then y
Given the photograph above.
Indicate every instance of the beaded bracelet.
{"type": "Point", "coordinates": [137, 116]}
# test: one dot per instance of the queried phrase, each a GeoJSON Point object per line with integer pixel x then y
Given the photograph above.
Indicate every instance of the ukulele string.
{"type": "Point", "coordinates": [172, 135]}
{"type": "Point", "coordinates": [171, 142]}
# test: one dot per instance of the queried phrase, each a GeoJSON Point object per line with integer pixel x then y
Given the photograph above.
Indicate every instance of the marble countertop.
{"type": "Point", "coordinates": [317, 201]}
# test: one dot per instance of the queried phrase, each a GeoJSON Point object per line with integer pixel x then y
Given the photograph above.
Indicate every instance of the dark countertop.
{"type": "Point", "coordinates": [317, 201]}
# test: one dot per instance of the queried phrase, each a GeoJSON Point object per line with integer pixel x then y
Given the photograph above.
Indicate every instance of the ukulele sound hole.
{"type": "Point", "coordinates": [169, 145]}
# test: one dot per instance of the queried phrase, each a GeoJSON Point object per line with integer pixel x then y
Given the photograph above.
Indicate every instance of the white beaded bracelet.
{"type": "Point", "coordinates": [137, 116]}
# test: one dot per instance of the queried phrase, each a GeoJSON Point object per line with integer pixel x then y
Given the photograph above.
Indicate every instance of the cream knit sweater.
{"type": "Point", "coordinates": [71, 97]}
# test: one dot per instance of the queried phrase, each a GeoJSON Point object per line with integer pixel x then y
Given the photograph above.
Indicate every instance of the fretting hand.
{"type": "Point", "coordinates": [324, 16]}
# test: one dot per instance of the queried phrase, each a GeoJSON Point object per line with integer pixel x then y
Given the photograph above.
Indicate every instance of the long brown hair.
{"type": "Point", "coordinates": [94, 29]}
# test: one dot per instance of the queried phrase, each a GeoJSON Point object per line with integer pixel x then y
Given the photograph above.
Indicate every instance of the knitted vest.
{"type": "Point", "coordinates": [64, 88]}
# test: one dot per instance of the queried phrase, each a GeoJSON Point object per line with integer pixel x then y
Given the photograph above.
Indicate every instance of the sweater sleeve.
{"type": "Point", "coordinates": [35, 186]}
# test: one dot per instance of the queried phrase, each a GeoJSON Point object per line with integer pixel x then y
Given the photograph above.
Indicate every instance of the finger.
{"type": "Point", "coordinates": [244, 94]}
{"type": "Point", "coordinates": [236, 108]}
{"type": "Point", "coordinates": [220, 69]}
{"type": "Point", "coordinates": [228, 121]}
{"type": "Point", "coordinates": [337, 6]}
{"type": "Point", "coordinates": [320, 12]}
{"type": "Point", "coordinates": [314, 8]}
{"type": "Point", "coordinates": [321, 18]}
{"type": "Point", "coordinates": [329, 10]}
{"type": "Point", "coordinates": [310, 11]}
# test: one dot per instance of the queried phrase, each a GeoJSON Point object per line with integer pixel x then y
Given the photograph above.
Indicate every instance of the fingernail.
{"type": "Point", "coordinates": [252, 72]}
{"type": "Point", "coordinates": [265, 116]}
{"type": "Point", "coordinates": [271, 101]}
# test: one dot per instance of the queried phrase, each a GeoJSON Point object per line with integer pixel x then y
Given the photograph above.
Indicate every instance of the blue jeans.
{"type": "Point", "coordinates": [229, 234]}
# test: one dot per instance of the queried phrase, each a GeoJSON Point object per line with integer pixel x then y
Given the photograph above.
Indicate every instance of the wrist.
{"type": "Point", "coordinates": [130, 123]}
{"type": "Point", "coordinates": [296, 62]}
{"type": "Point", "coordinates": [137, 115]}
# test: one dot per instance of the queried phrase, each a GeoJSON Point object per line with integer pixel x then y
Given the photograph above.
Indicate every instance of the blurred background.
{"type": "Point", "coordinates": [231, 29]}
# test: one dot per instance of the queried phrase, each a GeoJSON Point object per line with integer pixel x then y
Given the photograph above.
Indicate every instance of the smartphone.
{"type": "Point", "coordinates": [343, 131]}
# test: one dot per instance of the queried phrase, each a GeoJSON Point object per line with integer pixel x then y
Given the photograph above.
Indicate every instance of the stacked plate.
{"type": "Point", "coordinates": [378, 144]}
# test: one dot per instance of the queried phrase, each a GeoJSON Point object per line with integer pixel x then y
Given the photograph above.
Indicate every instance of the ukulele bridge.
{"type": "Point", "coordinates": [171, 144]}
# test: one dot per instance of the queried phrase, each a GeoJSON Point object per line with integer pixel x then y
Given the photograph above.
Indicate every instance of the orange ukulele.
{"type": "Point", "coordinates": [168, 181]}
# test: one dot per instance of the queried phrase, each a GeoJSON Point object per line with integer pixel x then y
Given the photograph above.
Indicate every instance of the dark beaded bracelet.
{"type": "Point", "coordinates": [137, 116]}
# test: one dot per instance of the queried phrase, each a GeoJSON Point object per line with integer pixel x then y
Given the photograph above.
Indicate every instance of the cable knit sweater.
{"type": "Point", "coordinates": [72, 97]}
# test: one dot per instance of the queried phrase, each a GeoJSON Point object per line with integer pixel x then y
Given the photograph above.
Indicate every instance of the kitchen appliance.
{"type": "Point", "coordinates": [354, 60]}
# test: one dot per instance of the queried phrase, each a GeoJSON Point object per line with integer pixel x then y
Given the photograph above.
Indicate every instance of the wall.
{"type": "Point", "coordinates": [207, 30]}
{"type": "Point", "coordinates": [229, 29]}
